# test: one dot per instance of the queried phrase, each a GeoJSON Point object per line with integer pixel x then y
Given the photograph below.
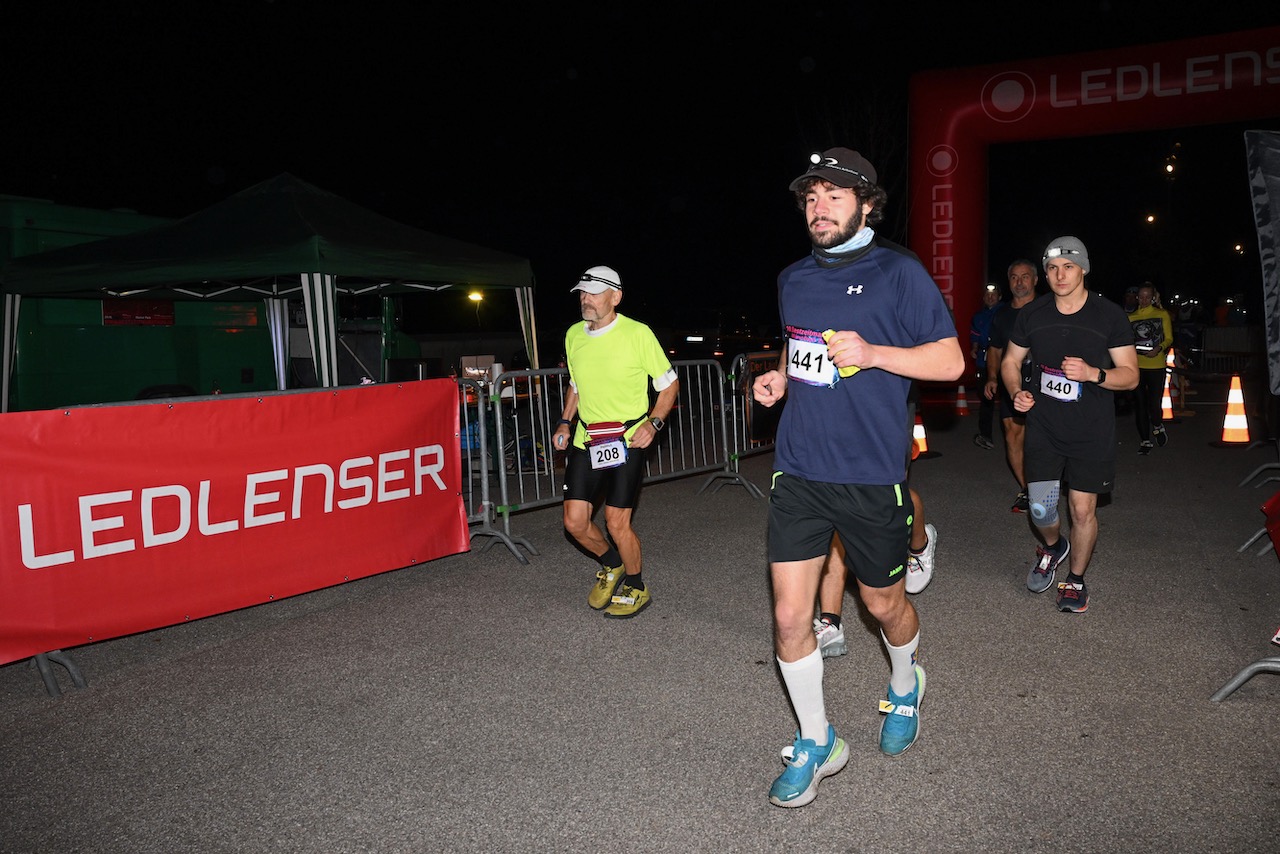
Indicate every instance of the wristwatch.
{"type": "Point", "coordinates": [657, 423]}
{"type": "Point", "coordinates": [1102, 376]}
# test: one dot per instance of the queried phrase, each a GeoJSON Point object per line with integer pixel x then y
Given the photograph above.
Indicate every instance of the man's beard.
{"type": "Point", "coordinates": [591, 313]}
{"type": "Point", "coordinates": [828, 239]}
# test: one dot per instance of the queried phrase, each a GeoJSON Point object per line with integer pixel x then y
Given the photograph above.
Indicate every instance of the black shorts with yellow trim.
{"type": "Point", "coordinates": [873, 521]}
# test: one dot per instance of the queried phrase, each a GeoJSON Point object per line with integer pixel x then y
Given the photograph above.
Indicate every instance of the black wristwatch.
{"type": "Point", "coordinates": [657, 423]}
{"type": "Point", "coordinates": [1102, 376]}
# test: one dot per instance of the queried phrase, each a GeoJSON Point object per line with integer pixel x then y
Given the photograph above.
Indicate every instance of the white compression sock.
{"type": "Point", "coordinates": [902, 679]}
{"type": "Point", "coordinates": [803, 679]}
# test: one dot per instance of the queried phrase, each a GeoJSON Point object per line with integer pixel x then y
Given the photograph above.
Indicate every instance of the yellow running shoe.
{"type": "Point", "coordinates": [628, 601]}
{"type": "Point", "coordinates": [606, 582]}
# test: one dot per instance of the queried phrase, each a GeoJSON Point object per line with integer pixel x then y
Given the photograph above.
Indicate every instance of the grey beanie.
{"type": "Point", "coordinates": [1069, 246]}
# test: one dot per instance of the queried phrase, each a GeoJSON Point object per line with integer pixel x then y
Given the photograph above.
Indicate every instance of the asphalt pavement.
{"type": "Point", "coordinates": [477, 704]}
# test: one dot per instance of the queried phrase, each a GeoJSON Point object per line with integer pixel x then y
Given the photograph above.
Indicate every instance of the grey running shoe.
{"type": "Point", "coordinates": [1040, 578]}
{"type": "Point", "coordinates": [920, 566]}
{"type": "Point", "coordinates": [983, 442]}
{"type": "Point", "coordinates": [1073, 598]}
{"type": "Point", "coordinates": [1145, 446]}
{"type": "Point", "coordinates": [831, 640]}
{"type": "Point", "coordinates": [1162, 438]}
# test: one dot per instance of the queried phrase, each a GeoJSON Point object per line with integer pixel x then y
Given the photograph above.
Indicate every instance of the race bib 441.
{"type": "Point", "coordinates": [807, 359]}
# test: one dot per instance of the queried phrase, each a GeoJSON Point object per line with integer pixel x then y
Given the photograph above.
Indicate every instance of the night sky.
{"type": "Point", "coordinates": [656, 138]}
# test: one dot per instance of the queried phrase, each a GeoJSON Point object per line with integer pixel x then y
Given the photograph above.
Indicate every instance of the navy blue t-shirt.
{"type": "Point", "coordinates": [855, 429]}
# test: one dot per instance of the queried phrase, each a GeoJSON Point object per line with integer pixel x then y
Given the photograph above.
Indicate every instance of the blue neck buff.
{"type": "Point", "coordinates": [848, 252]}
{"type": "Point", "coordinates": [859, 240]}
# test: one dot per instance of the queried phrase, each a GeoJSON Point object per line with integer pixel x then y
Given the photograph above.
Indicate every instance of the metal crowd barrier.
{"type": "Point", "coordinates": [473, 443]}
{"type": "Point", "coordinates": [752, 427]}
{"type": "Point", "coordinates": [1227, 350]}
{"type": "Point", "coordinates": [476, 443]}
{"type": "Point", "coordinates": [696, 438]}
{"type": "Point", "coordinates": [505, 435]}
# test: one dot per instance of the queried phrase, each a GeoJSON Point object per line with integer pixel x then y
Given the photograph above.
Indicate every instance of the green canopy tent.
{"type": "Point", "coordinates": [272, 241]}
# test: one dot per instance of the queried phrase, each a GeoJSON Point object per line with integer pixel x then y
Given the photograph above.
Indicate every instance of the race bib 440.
{"type": "Point", "coordinates": [1055, 384]}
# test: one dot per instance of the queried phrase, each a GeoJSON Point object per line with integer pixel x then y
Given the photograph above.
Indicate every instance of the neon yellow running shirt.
{"type": "Point", "coordinates": [611, 370]}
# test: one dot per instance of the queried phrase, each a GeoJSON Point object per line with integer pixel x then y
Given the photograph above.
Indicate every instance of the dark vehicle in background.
{"type": "Point", "coordinates": [720, 335]}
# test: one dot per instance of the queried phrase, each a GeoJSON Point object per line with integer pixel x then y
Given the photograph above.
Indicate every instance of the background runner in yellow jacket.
{"type": "Point", "coordinates": [1152, 338]}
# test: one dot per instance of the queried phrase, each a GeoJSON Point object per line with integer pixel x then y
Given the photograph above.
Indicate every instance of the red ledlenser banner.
{"type": "Point", "coordinates": [119, 519]}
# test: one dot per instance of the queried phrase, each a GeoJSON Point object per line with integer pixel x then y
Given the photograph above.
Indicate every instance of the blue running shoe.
{"type": "Point", "coordinates": [901, 724]}
{"type": "Point", "coordinates": [807, 763]}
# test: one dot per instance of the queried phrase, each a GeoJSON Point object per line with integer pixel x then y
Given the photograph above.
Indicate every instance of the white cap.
{"type": "Point", "coordinates": [597, 280]}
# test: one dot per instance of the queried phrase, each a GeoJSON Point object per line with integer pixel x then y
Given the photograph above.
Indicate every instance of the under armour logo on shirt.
{"type": "Point", "coordinates": [854, 290]}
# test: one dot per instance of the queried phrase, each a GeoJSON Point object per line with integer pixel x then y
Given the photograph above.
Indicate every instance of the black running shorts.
{"type": "Point", "coordinates": [621, 485]}
{"type": "Point", "coordinates": [1040, 463]}
{"type": "Point", "coordinates": [874, 523]}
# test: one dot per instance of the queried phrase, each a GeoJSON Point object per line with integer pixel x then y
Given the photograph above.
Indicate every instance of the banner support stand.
{"type": "Point", "coordinates": [57, 656]}
{"type": "Point", "coordinates": [486, 529]}
{"type": "Point", "coordinates": [729, 478]}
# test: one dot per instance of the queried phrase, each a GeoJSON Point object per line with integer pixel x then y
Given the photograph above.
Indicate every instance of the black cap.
{"type": "Point", "coordinates": [842, 167]}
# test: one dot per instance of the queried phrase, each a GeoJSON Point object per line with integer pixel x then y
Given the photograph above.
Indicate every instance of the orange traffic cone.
{"type": "Point", "coordinates": [1177, 389]}
{"type": "Point", "coordinates": [920, 442]}
{"type": "Point", "coordinates": [962, 402]}
{"type": "Point", "coordinates": [1235, 427]}
{"type": "Point", "coordinates": [1166, 403]}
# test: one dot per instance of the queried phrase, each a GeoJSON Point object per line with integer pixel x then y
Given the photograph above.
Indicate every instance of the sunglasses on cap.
{"type": "Point", "coordinates": [587, 277]}
{"type": "Point", "coordinates": [820, 162]}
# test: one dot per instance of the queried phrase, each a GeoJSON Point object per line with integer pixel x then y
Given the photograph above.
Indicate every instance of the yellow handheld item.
{"type": "Point", "coordinates": [844, 372]}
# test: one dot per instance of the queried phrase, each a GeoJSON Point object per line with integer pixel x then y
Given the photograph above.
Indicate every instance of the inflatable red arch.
{"type": "Point", "coordinates": [957, 113]}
